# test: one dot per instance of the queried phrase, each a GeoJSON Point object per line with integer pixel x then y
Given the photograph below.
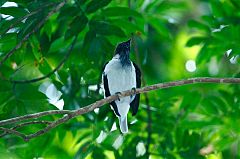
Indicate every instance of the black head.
{"type": "Point", "coordinates": [123, 50]}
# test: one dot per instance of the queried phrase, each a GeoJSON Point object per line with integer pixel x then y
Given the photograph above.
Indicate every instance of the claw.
{"type": "Point", "coordinates": [118, 95]}
{"type": "Point", "coordinates": [133, 91]}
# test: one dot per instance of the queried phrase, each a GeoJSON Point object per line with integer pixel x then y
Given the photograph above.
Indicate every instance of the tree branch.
{"type": "Point", "coordinates": [69, 114]}
{"type": "Point", "coordinates": [10, 131]}
{"type": "Point", "coordinates": [33, 116]}
{"type": "Point", "coordinates": [58, 7]}
{"type": "Point", "coordinates": [22, 125]}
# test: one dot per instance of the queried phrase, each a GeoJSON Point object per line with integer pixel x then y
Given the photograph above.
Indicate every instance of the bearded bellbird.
{"type": "Point", "coordinates": [121, 74]}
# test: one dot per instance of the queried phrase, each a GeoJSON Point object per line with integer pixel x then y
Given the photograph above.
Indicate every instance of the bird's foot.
{"type": "Point", "coordinates": [118, 95]}
{"type": "Point", "coordinates": [133, 91]}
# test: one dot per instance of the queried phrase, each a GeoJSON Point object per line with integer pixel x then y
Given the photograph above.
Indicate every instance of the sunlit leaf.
{"type": "Point", "coordinates": [195, 41]}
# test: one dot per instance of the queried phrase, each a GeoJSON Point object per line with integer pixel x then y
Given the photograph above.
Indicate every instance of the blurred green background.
{"type": "Point", "coordinates": [172, 39]}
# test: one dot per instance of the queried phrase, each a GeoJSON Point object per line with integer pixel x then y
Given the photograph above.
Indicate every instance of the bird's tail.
{"type": "Point", "coordinates": [123, 124]}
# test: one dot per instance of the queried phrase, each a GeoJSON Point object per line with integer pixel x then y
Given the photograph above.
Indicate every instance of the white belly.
{"type": "Point", "coordinates": [120, 79]}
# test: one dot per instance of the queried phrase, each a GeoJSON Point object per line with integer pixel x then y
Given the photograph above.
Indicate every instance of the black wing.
{"type": "Point", "coordinates": [135, 103]}
{"type": "Point", "coordinates": [107, 92]}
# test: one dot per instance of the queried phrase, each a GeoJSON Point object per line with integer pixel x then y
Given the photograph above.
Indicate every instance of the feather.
{"type": "Point", "coordinates": [120, 74]}
{"type": "Point", "coordinates": [123, 124]}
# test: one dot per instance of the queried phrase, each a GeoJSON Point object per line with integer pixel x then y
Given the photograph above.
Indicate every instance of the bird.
{"type": "Point", "coordinates": [121, 74]}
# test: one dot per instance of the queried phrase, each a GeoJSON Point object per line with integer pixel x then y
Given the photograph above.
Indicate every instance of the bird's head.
{"type": "Point", "coordinates": [123, 50]}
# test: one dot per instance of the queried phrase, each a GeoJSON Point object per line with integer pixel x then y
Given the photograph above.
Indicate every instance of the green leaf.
{"type": "Point", "coordinates": [219, 103]}
{"type": "Point", "coordinates": [198, 25]}
{"type": "Point", "coordinates": [68, 11]}
{"type": "Point", "coordinates": [95, 46]}
{"type": "Point", "coordinates": [5, 25]}
{"type": "Point", "coordinates": [76, 26]}
{"type": "Point", "coordinates": [89, 36]}
{"type": "Point", "coordinates": [45, 43]}
{"type": "Point", "coordinates": [28, 26]}
{"type": "Point", "coordinates": [44, 66]}
{"type": "Point", "coordinates": [128, 26]}
{"type": "Point", "coordinates": [81, 2]}
{"type": "Point", "coordinates": [97, 153]}
{"type": "Point", "coordinates": [8, 41]}
{"type": "Point", "coordinates": [55, 152]}
{"type": "Point", "coordinates": [91, 75]}
{"type": "Point", "coordinates": [225, 142]}
{"type": "Point", "coordinates": [105, 28]}
{"type": "Point", "coordinates": [209, 107]}
{"type": "Point", "coordinates": [13, 11]}
{"type": "Point", "coordinates": [190, 101]}
{"type": "Point", "coordinates": [2, 2]}
{"type": "Point", "coordinates": [96, 4]}
{"type": "Point", "coordinates": [195, 41]}
{"type": "Point", "coordinates": [6, 97]}
{"type": "Point", "coordinates": [203, 55]}
{"type": "Point", "coordinates": [199, 124]}
{"type": "Point", "coordinates": [159, 25]}
{"type": "Point", "coordinates": [211, 21]}
{"type": "Point", "coordinates": [58, 43]}
{"type": "Point", "coordinates": [35, 47]}
{"type": "Point", "coordinates": [111, 138]}
{"type": "Point", "coordinates": [167, 5]}
{"type": "Point", "coordinates": [84, 150]}
{"type": "Point", "coordinates": [120, 11]}
{"type": "Point", "coordinates": [217, 8]}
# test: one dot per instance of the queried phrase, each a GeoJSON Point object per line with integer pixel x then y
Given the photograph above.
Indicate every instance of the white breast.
{"type": "Point", "coordinates": [120, 78]}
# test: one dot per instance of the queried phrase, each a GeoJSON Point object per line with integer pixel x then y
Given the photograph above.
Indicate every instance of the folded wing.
{"type": "Point", "coordinates": [135, 103]}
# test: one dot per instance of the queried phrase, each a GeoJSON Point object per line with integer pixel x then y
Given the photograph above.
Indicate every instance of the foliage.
{"type": "Point", "coordinates": [185, 120]}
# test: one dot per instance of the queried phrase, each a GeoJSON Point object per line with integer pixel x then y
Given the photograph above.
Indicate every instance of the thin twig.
{"type": "Point", "coordinates": [10, 131]}
{"type": "Point", "coordinates": [58, 7]}
{"type": "Point", "coordinates": [50, 73]}
{"type": "Point", "coordinates": [72, 114]}
{"type": "Point", "coordinates": [33, 116]}
{"type": "Point", "coordinates": [25, 124]}
{"type": "Point", "coordinates": [31, 122]}
{"type": "Point", "coordinates": [50, 126]}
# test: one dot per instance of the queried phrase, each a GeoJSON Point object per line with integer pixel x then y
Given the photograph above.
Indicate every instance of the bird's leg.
{"type": "Point", "coordinates": [118, 95]}
{"type": "Point", "coordinates": [133, 91]}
